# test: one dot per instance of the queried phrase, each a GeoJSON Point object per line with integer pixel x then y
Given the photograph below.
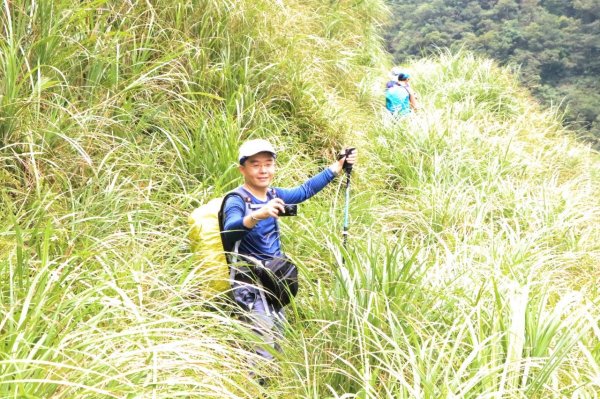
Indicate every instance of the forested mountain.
{"type": "Point", "coordinates": [555, 43]}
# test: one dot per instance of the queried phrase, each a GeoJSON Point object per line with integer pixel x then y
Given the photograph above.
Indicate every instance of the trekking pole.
{"type": "Point", "coordinates": [348, 170]}
{"type": "Point", "coordinates": [345, 232]}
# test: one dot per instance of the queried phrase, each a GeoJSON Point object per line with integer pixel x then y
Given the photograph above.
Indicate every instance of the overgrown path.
{"type": "Point", "coordinates": [472, 265]}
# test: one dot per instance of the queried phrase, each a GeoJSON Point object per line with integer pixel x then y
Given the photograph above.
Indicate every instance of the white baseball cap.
{"type": "Point", "coordinates": [253, 147]}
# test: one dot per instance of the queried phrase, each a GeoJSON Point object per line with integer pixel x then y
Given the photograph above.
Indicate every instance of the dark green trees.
{"type": "Point", "coordinates": [555, 43]}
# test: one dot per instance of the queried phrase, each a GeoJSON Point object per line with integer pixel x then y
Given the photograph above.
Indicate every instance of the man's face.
{"type": "Point", "coordinates": [258, 170]}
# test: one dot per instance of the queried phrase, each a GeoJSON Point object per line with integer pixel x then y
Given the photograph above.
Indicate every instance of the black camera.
{"type": "Point", "coordinates": [290, 210]}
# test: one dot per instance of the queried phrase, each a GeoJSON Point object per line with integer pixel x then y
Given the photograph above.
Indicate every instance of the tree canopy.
{"type": "Point", "coordinates": [555, 44]}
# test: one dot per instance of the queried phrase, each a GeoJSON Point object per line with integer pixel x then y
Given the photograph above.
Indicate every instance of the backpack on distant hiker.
{"type": "Point", "coordinates": [397, 100]}
{"type": "Point", "coordinates": [278, 277]}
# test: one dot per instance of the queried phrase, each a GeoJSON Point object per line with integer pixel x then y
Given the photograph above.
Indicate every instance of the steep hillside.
{"type": "Point", "coordinates": [472, 268]}
{"type": "Point", "coordinates": [552, 44]}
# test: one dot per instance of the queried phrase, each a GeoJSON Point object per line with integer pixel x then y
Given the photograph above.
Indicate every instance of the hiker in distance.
{"type": "Point", "coordinates": [400, 99]}
{"type": "Point", "coordinates": [263, 279]}
{"type": "Point", "coordinates": [395, 71]}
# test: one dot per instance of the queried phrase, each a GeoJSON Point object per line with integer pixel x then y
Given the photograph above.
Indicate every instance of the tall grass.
{"type": "Point", "coordinates": [116, 119]}
{"type": "Point", "coordinates": [491, 208]}
{"type": "Point", "coordinates": [472, 264]}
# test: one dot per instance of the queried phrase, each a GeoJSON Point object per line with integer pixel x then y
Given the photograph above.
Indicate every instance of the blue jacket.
{"type": "Point", "coordinates": [263, 241]}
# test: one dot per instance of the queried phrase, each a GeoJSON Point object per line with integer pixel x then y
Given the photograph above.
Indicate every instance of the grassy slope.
{"type": "Point", "coordinates": [495, 210]}
{"type": "Point", "coordinates": [473, 262]}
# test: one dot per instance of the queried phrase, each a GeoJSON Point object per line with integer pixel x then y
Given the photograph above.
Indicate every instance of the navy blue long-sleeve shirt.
{"type": "Point", "coordinates": [262, 241]}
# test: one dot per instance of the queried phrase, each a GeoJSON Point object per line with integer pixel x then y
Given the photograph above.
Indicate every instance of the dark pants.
{"type": "Point", "coordinates": [265, 319]}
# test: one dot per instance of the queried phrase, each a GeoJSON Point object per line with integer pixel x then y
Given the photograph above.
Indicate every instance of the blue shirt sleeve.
{"type": "Point", "coordinates": [233, 222]}
{"type": "Point", "coordinates": [309, 188]}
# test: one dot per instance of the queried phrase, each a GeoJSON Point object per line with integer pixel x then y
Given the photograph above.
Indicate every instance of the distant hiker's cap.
{"type": "Point", "coordinates": [403, 76]}
{"type": "Point", "coordinates": [395, 72]}
{"type": "Point", "coordinates": [253, 147]}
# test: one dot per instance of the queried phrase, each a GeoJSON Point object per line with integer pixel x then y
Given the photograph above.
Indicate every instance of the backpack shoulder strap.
{"type": "Point", "coordinates": [271, 193]}
{"type": "Point", "coordinates": [243, 194]}
{"type": "Point", "coordinates": [407, 90]}
{"type": "Point", "coordinates": [238, 192]}
{"type": "Point", "coordinates": [232, 248]}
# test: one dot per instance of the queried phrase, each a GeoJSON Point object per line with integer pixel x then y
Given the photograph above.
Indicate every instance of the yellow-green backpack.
{"type": "Point", "coordinates": [207, 245]}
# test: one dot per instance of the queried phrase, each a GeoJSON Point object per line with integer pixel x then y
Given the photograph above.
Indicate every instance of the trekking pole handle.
{"type": "Point", "coordinates": [347, 167]}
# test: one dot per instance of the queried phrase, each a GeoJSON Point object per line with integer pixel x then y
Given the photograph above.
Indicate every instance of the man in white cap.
{"type": "Point", "coordinates": [250, 220]}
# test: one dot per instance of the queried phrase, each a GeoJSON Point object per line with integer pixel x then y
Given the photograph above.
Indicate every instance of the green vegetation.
{"type": "Point", "coordinates": [554, 45]}
{"type": "Point", "coordinates": [472, 264]}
